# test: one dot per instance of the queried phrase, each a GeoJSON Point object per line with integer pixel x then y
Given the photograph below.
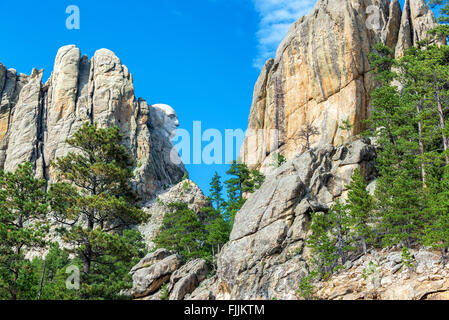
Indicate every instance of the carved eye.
{"type": "Point", "coordinates": [172, 116]}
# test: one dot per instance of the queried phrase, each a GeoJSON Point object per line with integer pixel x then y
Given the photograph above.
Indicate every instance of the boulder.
{"type": "Point", "coordinates": [186, 279]}
{"type": "Point", "coordinates": [152, 258]}
{"type": "Point", "coordinates": [148, 280]}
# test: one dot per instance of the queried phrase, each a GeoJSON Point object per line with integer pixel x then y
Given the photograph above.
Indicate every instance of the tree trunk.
{"type": "Point", "coordinates": [421, 146]}
{"type": "Point", "coordinates": [88, 251]}
{"type": "Point", "coordinates": [42, 281]}
{"type": "Point", "coordinates": [443, 127]}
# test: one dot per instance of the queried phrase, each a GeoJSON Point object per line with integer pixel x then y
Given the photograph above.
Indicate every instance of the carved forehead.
{"type": "Point", "coordinates": [166, 109]}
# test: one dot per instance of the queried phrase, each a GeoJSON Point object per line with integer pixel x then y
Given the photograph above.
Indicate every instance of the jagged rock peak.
{"type": "Point", "coordinates": [320, 75]}
{"type": "Point", "coordinates": [36, 118]}
{"type": "Point", "coordinates": [417, 19]}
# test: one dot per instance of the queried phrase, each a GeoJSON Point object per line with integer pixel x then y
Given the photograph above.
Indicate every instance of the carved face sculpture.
{"type": "Point", "coordinates": [167, 119]}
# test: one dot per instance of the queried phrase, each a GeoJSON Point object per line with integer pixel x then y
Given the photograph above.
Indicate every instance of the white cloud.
{"type": "Point", "coordinates": [276, 17]}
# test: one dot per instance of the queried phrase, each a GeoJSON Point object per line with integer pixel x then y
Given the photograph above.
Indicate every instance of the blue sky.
{"type": "Point", "coordinates": [200, 56]}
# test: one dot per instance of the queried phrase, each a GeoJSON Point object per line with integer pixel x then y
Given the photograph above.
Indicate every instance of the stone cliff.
{"type": "Point", "coordinates": [36, 118]}
{"type": "Point", "coordinates": [320, 75]}
{"type": "Point", "coordinates": [267, 253]}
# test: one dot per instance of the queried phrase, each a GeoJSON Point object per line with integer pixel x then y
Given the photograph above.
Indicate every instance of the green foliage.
{"type": "Point", "coordinates": [185, 176]}
{"type": "Point", "coordinates": [306, 288]}
{"type": "Point", "coordinates": [393, 123]}
{"type": "Point", "coordinates": [371, 273]}
{"type": "Point", "coordinates": [323, 246]}
{"type": "Point", "coordinates": [110, 273]}
{"type": "Point", "coordinates": [216, 188]}
{"type": "Point", "coordinates": [443, 28]}
{"type": "Point", "coordinates": [360, 206]}
{"type": "Point", "coordinates": [94, 187]}
{"type": "Point", "coordinates": [436, 231]}
{"type": "Point", "coordinates": [218, 231]}
{"type": "Point", "coordinates": [23, 211]}
{"type": "Point", "coordinates": [242, 180]}
{"type": "Point", "coordinates": [182, 231]}
{"type": "Point", "coordinates": [164, 293]}
{"type": "Point", "coordinates": [50, 275]}
{"type": "Point", "coordinates": [407, 258]}
{"type": "Point", "coordinates": [186, 186]}
{"type": "Point", "coordinates": [347, 126]}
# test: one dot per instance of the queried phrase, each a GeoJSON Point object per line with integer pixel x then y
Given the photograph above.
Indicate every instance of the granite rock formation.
{"type": "Point", "coordinates": [36, 118]}
{"type": "Point", "coordinates": [388, 278]}
{"type": "Point", "coordinates": [266, 255]}
{"type": "Point", "coordinates": [185, 191]}
{"type": "Point", "coordinates": [163, 267]}
{"type": "Point", "coordinates": [320, 75]}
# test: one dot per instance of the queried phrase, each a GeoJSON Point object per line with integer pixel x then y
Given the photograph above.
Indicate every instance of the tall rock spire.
{"type": "Point", "coordinates": [320, 74]}
{"type": "Point", "coordinates": [36, 119]}
{"type": "Point", "coordinates": [417, 19]}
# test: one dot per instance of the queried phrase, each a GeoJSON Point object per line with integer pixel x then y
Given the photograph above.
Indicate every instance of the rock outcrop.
{"type": "Point", "coordinates": [163, 267]}
{"type": "Point", "coordinates": [381, 275]}
{"type": "Point", "coordinates": [185, 191]}
{"type": "Point", "coordinates": [36, 118]}
{"type": "Point", "coordinates": [185, 280]}
{"type": "Point", "coordinates": [320, 75]}
{"type": "Point", "coordinates": [266, 255]}
{"type": "Point", "coordinates": [417, 19]}
{"type": "Point", "coordinates": [153, 271]}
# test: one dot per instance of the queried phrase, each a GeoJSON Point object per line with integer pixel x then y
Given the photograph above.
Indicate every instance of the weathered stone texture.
{"type": "Point", "coordinates": [36, 119]}
{"type": "Point", "coordinates": [320, 74]}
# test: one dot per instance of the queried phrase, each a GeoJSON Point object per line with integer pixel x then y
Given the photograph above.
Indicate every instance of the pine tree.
{"type": "Point", "coordinates": [324, 252]}
{"type": "Point", "coordinates": [218, 231]}
{"type": "Point", "coordinates": [436, 233]}
{"type": "Point", "coordinates": [51, 276]}
{"type": "Point", "coordinates": [306, 134]}
{"type": "Point", "coordinates": [93, 201]}
{"type": "Point", "coordinates": [242, 181]}
{"type": "Point", "coordinates": [340, 229]}
{"type": "Point", "coordinates": [183, 232]}
{"type": "Point", "coordinates": [23, 227]}
{"type": "Point", "coordinates": [393, 123]}
{"type": "Point", "coordinates": [443, 29]}
{"type": "Point", "coordinates": [278, 160]}
{"type": "Point", "coordinates": [360, 205]}
{"type": "Point", "coordinates": [216, 188]}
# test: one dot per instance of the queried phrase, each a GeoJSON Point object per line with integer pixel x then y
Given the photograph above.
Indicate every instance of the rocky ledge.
{"type": "Point", "coordinates": [383, 275]}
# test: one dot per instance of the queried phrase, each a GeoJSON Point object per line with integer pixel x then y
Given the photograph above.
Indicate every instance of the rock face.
{"type": "Point", "coordinates": [266, 255]}
{"type": "Point", "coordinates": [417, 19]}
{"type": "Point", "coordinates": [185, 280]}
{"type": "Point", "coordinates": [185, 191]}
{"type": "Point", "coordinates": [386, 278]}
{"type": "Point", "coordinates": [320, 75]}
{"type": "Point", "coordinates": [164, 267]}
{"type": "Point", "coordinates": [153, 271]}
{"type": "Point", "coordinates": [36, 119]}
